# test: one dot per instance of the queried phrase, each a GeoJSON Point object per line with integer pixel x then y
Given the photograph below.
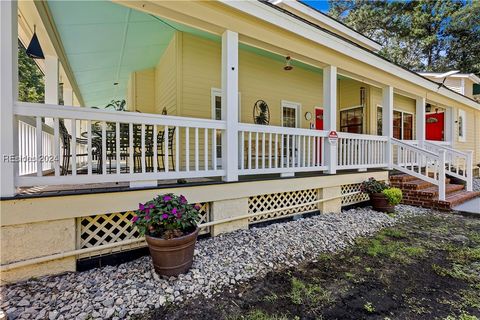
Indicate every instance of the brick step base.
{"type": "Point", "coordinates": [421, 193]}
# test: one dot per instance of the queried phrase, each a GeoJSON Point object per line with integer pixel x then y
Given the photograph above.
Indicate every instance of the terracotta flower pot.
{"type": "Point", "coordinates": [174, 256]}
{"type": "Point", "coordinates": [380, 203]}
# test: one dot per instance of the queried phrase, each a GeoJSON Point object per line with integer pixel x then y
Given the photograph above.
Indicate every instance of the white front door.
{"type": "Point", "coordinates": [290, 119]}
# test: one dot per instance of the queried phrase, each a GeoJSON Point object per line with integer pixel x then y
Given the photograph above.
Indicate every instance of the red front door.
{"type": "Point", "coordinates": [319, 126]}
{"type": "Point", "coordinates": [435, 126]}
{"type": "Point", "coordinates": [319, 119]}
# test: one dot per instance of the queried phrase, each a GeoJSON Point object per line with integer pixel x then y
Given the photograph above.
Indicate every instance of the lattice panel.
{"type": "Point", "coordinates": [267, 202]}
{"type": "Point", "coordinates": [94, 231]}
{"type": "Point", "coordinates": [354, 198]}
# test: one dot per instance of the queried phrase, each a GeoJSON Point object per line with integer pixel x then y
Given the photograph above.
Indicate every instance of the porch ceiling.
{"type": "Point", "coordinates": [104, 42]}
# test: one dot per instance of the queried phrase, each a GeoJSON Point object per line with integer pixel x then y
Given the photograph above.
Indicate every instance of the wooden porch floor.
{"type": "Point", "coordinates": [67, 189]}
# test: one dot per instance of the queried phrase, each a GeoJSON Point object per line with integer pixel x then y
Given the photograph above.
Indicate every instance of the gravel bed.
{"type": "Point", "coordinates": [476, 184]}
{"type": "Point", "coordinates": [120, 291]}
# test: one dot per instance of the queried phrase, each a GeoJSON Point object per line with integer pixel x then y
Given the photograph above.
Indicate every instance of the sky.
{"type": "Point", "coordinates": [321, 5]}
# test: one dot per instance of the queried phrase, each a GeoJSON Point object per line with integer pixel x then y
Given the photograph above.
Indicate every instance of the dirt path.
{"type": "Point", "coordinates": [425, 268]}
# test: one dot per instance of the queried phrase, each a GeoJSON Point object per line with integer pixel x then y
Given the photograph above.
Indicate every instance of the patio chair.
{"type": "Point", "coordinates": [66, 147]}
{"type": "Point", "coordinates": [161, 145]}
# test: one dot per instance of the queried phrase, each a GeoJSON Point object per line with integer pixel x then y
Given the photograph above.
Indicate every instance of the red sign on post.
{"type": "Point", "coordinates": [333, 137]}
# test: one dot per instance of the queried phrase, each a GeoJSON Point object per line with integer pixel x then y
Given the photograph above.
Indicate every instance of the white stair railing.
{"type": "Point", "coordinates": [420, 163]}
{"type": "Point", "coordinates": [458, 164]}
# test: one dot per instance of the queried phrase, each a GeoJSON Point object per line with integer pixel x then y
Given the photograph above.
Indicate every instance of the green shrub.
{"type": "Point", "coordinates": [394, 195]}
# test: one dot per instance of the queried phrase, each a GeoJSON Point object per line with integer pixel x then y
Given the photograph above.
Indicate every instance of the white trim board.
{"type": "Point", "coordinates": [271, 15]}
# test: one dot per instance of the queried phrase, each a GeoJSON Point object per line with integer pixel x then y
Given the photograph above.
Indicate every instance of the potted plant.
{"type": "Point", "coordinates": [169, 224]}
{"type": "Point", "coordinates": [382, 197]}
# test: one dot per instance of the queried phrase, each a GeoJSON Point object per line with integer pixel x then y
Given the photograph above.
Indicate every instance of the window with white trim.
{"type": "Point", "coordinates": [402, 124]}
{"type": "Point", "coordinates": [462, 125]}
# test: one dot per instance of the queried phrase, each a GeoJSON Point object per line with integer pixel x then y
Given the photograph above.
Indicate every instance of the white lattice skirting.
{"type": "Point", "coordinates": [97, 230]}
{"type": "Point", "coordinates": [274, 201]}
{"type": "Point", "coordinates": [349, 198]}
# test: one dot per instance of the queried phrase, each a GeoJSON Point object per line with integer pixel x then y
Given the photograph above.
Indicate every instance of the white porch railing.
{"type": "Point", "coordinates": [360, 151]}
{"type": "Point", "coordinates": [269, 149]}
{"type": "Point", "coordinates": [143, 148]}
{"type": "Point", "coordinates": [420, 163]}
{"type": "Point", "coordinates": [125, 147]}
{"type": "Point", "coordinates": [27, 146]}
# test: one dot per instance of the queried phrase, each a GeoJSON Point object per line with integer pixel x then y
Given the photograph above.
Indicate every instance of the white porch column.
{"type": "Point", "coordinates": [387, 119]}
{"type": "Point", "coordinates": [8, 96]}
{"type": "Point", "coordinates": [420, 119]}
{"type": "Point", "coordinates": [51, 80]}
{"type": "Point", "coordinates": [230, 104]}
{"type": "Point", "coordinates": [330, 114]}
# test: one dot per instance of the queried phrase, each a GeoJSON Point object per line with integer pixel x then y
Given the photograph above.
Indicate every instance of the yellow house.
{"type": "Point", "coordinates": [235, 104]}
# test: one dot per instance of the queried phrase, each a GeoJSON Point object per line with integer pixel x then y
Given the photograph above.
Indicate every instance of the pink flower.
{"type": "Point", "coordinates": [174, 211]}
{"type": "Point", "coordinates": [183, 200]}
{"type": "Point", "coordinates": [147, 217]}
{"type": "Point", "coordinates": [164, 216]}
{"type": "Point", "coordinates": [197, 206]}
{"type": "Point", "coordinates": [167, 198]}
{"type": "Point", "coordinates": [134, 219]}
{"type": "Point", "coordinates": [141, 207]}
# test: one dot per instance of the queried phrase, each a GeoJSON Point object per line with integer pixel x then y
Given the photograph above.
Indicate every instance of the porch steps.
{"type": "Point", "coordinates": [421, 193]}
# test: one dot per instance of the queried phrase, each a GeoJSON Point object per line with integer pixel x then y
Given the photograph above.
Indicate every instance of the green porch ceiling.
{"type": "Point", "coordinates": [105, 42]}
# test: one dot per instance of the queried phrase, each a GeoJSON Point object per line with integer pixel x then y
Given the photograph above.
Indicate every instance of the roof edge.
{"type": "Point", "coordinates": [334, 23]}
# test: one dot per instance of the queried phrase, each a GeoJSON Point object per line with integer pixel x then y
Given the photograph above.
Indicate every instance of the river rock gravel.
{"type": "Point", "coordinates": [118, 292]}
{"type": "Point", "coordinates": [476, 184]}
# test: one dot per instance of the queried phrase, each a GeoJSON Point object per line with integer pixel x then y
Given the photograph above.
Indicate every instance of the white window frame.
{"type": "Point", "coordinates": [351, 108]}
{"type": "Point", "coordinates": [298, 110]}
{"type": "Point", "coordinates": [216, 92]}
{"type": "Point", "coordinates": [402, 112]}
{"type": "Point", "coordinates": [462, 134]}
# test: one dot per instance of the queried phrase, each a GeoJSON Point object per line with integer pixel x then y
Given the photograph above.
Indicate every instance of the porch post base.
{"type": "Point", "coordinates": [330, 206]}
{"type": "Point", "coordinates": [143, 184]}
{"type": "Point", "coordinates": [287, 174]}
{"type": "Point", "coordinates": [225, 209]}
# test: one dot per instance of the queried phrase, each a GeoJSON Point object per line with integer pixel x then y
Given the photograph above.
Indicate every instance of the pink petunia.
{"type": "Point", "coordinates": [164, 216]}
{"type": "Point", "coordinates": [147, 217]}
{"type": "Point", "coordinates": [183, 200]}
{"type": "Point", "coordinates": [174, 211]}
{"type": "Point", "coordinates": [134, 219]}
{"type": "Point", "coordinates": [167, 198]}
{"type": "Point", "coordinates": [197, 206]}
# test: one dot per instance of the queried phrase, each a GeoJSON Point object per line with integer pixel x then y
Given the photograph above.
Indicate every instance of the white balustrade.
{"type": "Point", "coordinates": [270, 149]}
{"type": "Point", "coordinates": [33, 150]}
{"type": "Point", "coordinates": [360, 151]}
{"type": "Point", "coordinates": [133, 147]}
{"type": "Point", "coordinates": [116, 146]}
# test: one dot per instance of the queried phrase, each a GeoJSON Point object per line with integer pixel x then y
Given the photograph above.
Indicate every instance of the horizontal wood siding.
{"type": "Point", "coordinates": [166, 80]}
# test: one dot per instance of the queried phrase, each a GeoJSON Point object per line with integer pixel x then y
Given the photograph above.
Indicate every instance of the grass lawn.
{"type": "Point", "coordinates": [425, 268]}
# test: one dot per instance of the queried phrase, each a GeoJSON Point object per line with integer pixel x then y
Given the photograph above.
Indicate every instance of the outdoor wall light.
{"type": "Point", "coordinates": [287, 66]}
{"type": "Point", "coordinates": [428, 107]}
{"type": "Point", "coordinates": [34, 49]}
